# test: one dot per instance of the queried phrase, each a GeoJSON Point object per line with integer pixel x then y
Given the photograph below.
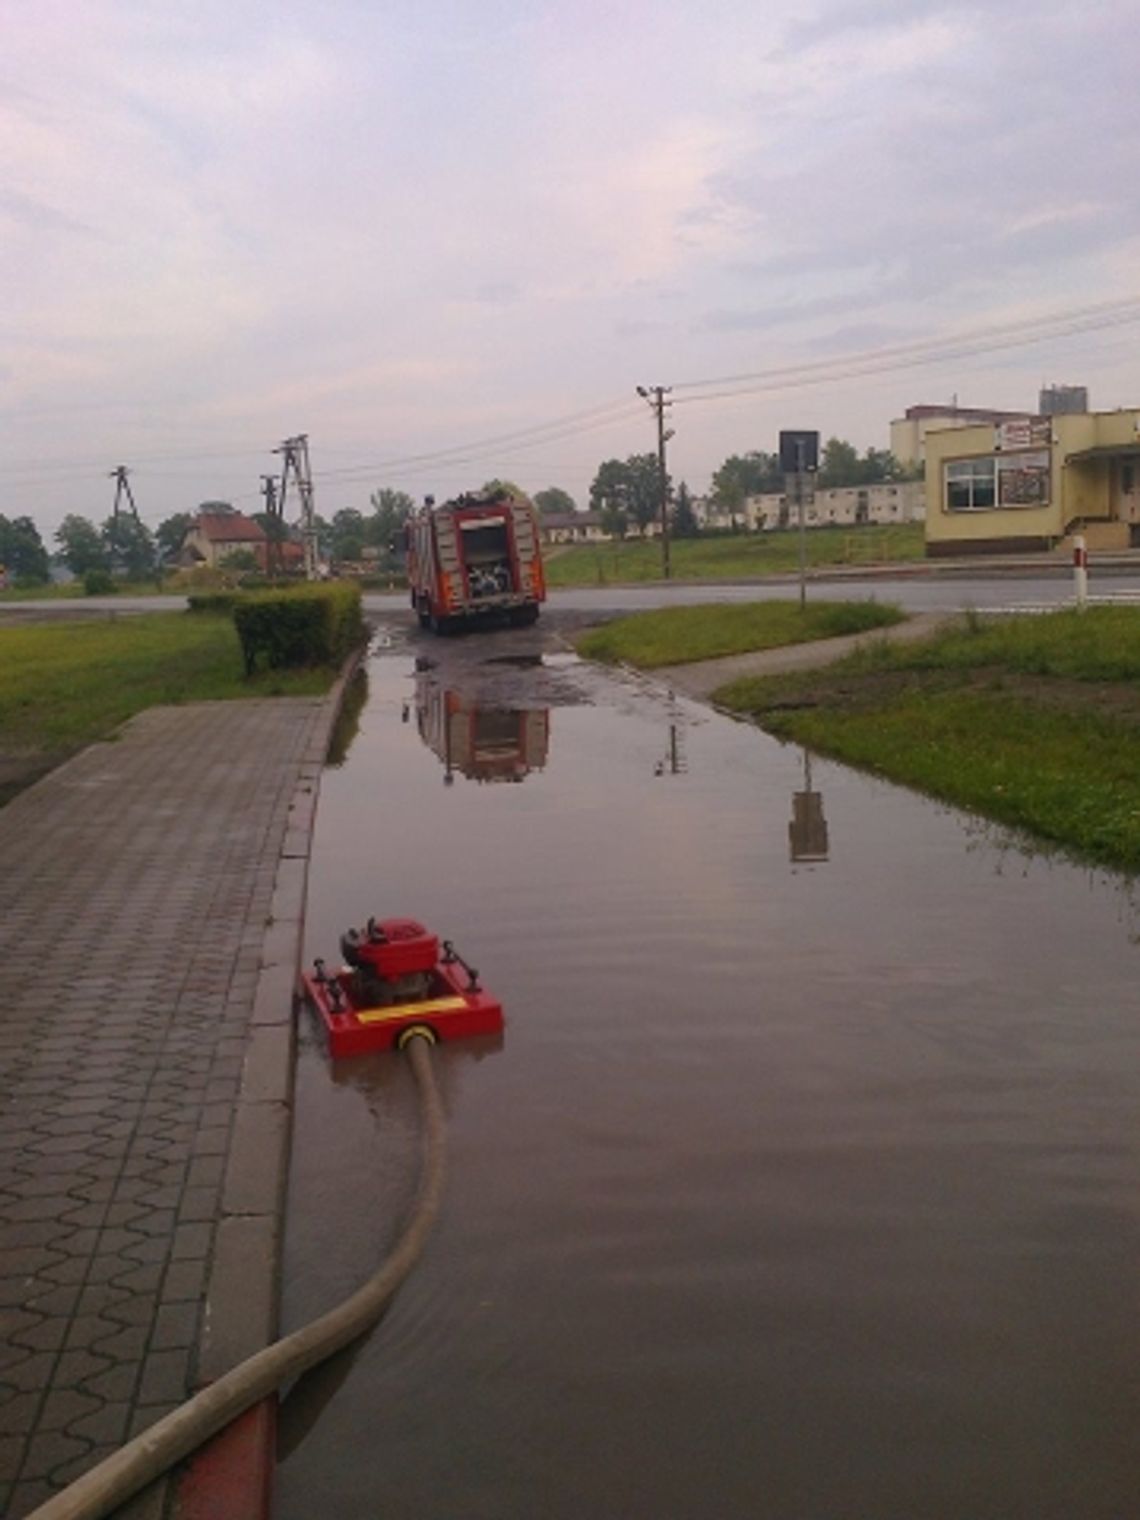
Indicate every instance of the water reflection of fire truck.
{"type": "Point", "coordinates": [483, 743]}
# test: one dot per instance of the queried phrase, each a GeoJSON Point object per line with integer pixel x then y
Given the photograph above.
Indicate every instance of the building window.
{"type": "Point", "coordinates": [971, 485]}
{"type": "Point", "coordinates": [1013, 480]}
{"type": "Point", "coordinates": [1127, 479]}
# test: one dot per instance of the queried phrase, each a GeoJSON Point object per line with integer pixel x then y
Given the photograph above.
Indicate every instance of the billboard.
{"type": "Point", "coordinates": [1023, 433]}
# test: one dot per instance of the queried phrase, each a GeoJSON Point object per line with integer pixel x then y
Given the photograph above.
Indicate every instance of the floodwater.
{"type": "Point", "coordinates": [803, 1181]}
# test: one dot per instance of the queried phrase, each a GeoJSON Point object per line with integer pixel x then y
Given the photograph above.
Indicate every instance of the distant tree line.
{"type": "Point", "coordinates": [626, 493]}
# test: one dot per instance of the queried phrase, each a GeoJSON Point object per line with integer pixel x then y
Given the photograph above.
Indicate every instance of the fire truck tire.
{"type": "Point", "coordinates": [414, 1032]}
{"type": "Point", "coordinates": [441, 625]}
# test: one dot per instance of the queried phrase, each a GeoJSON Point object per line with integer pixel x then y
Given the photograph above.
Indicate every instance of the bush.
{"type": "Point", "coordinates": [99, 583]}
{"type": "Point", "coordinates": [212, 601]}
{"type": "Point", "coordinates": [309, 625]}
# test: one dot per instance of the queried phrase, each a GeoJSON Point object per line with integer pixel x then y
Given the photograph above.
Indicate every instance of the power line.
{"type": "Point", "coordinates": [556, 429]}
{"type": "Point", "coordinates": [896, 358]}
{"type": "Point", "coordinates": [427, 463]}
{"type": "Point", "coordinates": [910, 355]}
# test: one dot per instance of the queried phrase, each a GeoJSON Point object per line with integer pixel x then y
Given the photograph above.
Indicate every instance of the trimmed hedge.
{"type": "Point", "coordinates": [306, 625]}
{"type": "Point", "coordinates": [212, 601]}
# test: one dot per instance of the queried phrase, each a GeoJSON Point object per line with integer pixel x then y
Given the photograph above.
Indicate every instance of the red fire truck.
{"type": "Point", "coordinates": [475, 559]}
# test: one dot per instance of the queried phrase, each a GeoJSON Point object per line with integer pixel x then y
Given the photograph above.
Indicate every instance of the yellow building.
{"type": "Point", "coordinates": [1030, 482]}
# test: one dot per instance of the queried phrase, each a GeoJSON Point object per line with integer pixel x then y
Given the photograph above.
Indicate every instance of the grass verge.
{"type": "Point", "coordinates": [1033, 722]}
{"type": "Point", "coordinates": [734, 556]}
{"type": "Point", "coordinates": [679, 635]}
{"type": "Point", "coordinates": [64, 685]}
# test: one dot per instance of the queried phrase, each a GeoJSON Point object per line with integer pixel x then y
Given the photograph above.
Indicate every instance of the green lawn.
{"type": "Point", "coordinates": [65, 684]}
{"type": "Point", "coordinates": [68, 591]}
{"type": "Point", "coordinates": [679, 635]}
{"type": "Point", "coordinates": [733, 556]}
{"type": "Point", "coordinates": [1033, 722]}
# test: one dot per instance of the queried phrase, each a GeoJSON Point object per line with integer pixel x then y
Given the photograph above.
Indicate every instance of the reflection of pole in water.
{"type": "Point", "coordinates": [807, 832]}
{"type": "Point", "coordinates": [674, 761]}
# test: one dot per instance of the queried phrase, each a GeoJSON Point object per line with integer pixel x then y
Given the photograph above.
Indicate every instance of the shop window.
{"type": "Point", "coordinates": [1013, 480]}
{"type": "Point", "coordinates": [971, 485]}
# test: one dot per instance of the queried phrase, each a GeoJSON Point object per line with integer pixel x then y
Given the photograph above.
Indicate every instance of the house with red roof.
{"type": "Point", "coordinates": [213, 536]}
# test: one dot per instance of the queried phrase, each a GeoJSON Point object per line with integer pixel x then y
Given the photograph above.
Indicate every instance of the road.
{"type": "Point", "coordinates": [921, 590]}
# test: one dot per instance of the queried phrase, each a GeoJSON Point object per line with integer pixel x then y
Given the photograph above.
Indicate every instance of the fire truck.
{"type": "Point", "coordinates": [475, 560]}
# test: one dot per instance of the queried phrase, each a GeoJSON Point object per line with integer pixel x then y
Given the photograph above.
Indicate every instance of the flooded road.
{"type": "Point", "coordinates": [803, 1181]}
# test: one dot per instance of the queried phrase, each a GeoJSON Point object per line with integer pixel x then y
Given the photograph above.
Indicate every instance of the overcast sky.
{"type": "Point", "coordinates": [411, 226]}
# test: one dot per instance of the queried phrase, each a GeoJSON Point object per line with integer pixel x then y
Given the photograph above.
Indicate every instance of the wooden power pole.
{"type": "Point", "coordinates": [655, 395]}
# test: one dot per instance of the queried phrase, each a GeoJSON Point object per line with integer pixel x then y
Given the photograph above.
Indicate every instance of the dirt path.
{"type": "Point", "coordinates": [702, 677]}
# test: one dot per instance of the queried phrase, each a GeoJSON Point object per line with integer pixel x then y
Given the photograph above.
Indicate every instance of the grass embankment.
{"type": "Point", "coordinates": [733, 556]}
{"type": "Point", "coordinates": [679, 635]}
{"type": "Point", "coordinates": [64, 685]}
{"type": "Point", "coordinates": [1032, 721]}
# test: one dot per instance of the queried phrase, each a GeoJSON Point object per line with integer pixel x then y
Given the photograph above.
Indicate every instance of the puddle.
{"type": "Point", "coordinates": [803, 1180]}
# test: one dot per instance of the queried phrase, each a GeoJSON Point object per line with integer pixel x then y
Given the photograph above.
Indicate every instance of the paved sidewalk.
{"type": "Point", "coordinates": [151, 894]}
{"type": "Point", "coordinates": [701, 678]}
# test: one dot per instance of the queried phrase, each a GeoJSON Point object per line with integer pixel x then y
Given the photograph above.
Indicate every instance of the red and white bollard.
{"type": "Point", "coordinates": [1081, 571]}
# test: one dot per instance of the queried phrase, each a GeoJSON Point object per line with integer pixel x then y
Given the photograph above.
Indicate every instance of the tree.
{"type": "Point", "coordinates": [503, 487]}
{"type": "Point", "coordinates": [348, 534]}
{"type": "Point", "coordinates": [129, 546]}
{"type": "Point", "coordinates": [645, 489]}
{"type": "Point", "coordinates": [685, 524]}
{"type": "Point", "coordinates": [170, 532]}
{"type": "Point", "coordinates": [275, 528]}
{"type": "Point", "coordinates": [554, 501]}
{"type": "Point", "coordinates": [630, 488]}
{"type": "Point", "coordinates": [839, 465]}
{"type": "Point", "coordinates": [81, 547]}
{"type": "Point", "coordinates": [390, 511]}
{"type": "Point", "coordinates": [615, 521]}
{"type": "Point", "coordinates": [22, 552]}
{"type": "Point", "coordinates": [729, 489]}
{"type": "Point", "coordinates": [879, 465]}
{"type": "Point", "coordinates": [218, 508]}
{"type": "Point", "coordinates": [610, 486]}
{"type": "Point", "coordinates": [744, 475]}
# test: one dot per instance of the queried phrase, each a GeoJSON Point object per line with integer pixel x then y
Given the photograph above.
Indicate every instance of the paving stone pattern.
{"type": "Point", "coordinates": [135, 887]}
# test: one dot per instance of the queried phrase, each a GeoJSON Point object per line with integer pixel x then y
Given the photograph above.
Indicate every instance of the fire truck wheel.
{"type": "Point", "coordinates": [416, 1031]}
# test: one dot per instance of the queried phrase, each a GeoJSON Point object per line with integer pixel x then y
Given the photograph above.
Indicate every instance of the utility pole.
{"type": "Point", "coordinates": [799, 458]}
{"type": "Point", "coordinates": [655, 395]}
{"type": "Point", "coordinates": [273, 547]}
{"type": "Point", "coordinates": [295, 462]}
{"type": "Point", "coordinates": [122, 488]}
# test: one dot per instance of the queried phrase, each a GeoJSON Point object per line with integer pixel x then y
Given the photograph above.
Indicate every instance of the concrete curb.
{"type": "Point", "coordinates": [231, 1477]}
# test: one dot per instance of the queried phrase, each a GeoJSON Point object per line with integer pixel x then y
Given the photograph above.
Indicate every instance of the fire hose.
{"type": "Point", "coordinates": [118, 1477]}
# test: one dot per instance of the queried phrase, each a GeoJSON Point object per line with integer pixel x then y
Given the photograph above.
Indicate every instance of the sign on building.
{"type": "Point", "coordinates": [1023, 433]}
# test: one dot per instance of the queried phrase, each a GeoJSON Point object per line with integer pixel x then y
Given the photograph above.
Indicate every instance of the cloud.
{"type": "Point", "coordinates": [398, 226]}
